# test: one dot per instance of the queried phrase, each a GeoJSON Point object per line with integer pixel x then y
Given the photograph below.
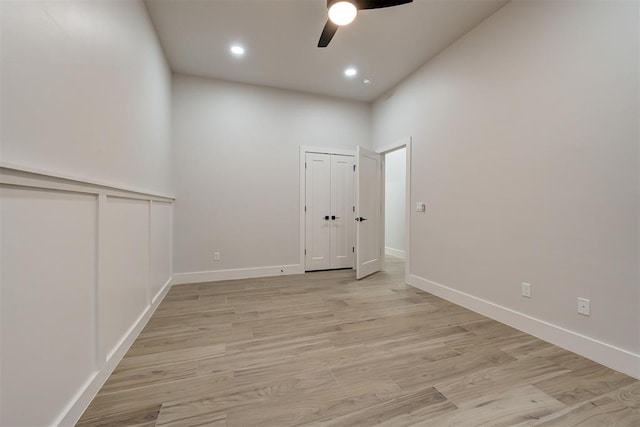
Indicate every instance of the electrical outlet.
{"type": "Point", "coordinates": [216, 256]}
{"type": "Point", "coordinates": [526, 290]}
{"type": "Point", "coordinates": [584, 306]}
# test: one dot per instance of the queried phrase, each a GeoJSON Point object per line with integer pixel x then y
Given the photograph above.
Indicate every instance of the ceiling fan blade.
{"type": "Point", "coordinates": [379, 4]}
{"type": "Point", "coordinates": [327, 34]}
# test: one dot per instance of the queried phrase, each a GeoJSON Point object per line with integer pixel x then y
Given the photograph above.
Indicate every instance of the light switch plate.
{"type": "Point", "coordinates": [526, 290]}
{"type": "Point", "coordinates": [420, 207]}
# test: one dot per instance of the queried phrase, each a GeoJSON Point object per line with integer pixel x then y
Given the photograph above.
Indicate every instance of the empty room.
{"type": "Point", "coordinates": [324, 213]}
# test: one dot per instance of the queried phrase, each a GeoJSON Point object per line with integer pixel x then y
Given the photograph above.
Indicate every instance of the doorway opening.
{"type": "Point", "coordinates": [396, 188]}
{"type": "Point", "coordinates": [395, 165]}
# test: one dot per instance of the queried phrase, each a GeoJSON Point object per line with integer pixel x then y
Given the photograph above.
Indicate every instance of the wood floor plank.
{"type": "Point", "coordinates": [583, 384]}
{"type": "Point", "coordinates": [189, 339]}
{"type": "Point", "coordinates": [445, 371]}
{"type": "Point", "coordinates": [145, 416]}
{"type": "Point", "coordinates": [495, 379]}
{"type": "Point", "coordinates": [528, 347]}
{"type": "Point", "coordinates": [308, 408]}
{"type": "Point", "coordinates": [326, 349]}
{"type": "Point", "coordinates": [147, 375]}
{"type": "Point", "coordinates": [127, 400]}
{"type": "Point", "coordinates": [629, 396]}
{"type": "Point", "coordinates": [506, 408]}
{"type": "Point", "coordinates": [132, 361]}
{"type": "Point", "coordinates": [405, 410]}
{"type": "Point", "coordinates": [603, 411]}
{"type": "Point", "coordinates": [249, 394]}
{"type": "Point", "coordinates": [189, 415]}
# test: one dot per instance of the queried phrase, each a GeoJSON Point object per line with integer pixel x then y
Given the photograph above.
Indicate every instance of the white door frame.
{"type": "Point", "coordinates": [402, 143]}
{"type": "Point", "coordinates": [303, 177]}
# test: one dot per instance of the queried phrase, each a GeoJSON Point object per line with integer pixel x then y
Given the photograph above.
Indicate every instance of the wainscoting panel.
{"type": "Point", "coordinates": [82, 266]}
{"type": "Point", "coordinates": [48, 285]}
{"type": "Point", "coordinates": [123, 294]}
{"type": "Point", "coordinates": [160, 247]}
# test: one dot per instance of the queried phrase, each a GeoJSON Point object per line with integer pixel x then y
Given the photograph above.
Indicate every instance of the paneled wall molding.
{"type": "Point", "coordinates": [98, 251]}
{"type": "Point", "coordinates": [11, 174]}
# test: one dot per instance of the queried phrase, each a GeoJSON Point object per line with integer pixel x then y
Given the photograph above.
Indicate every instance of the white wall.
{"type": "Point", "coordinates": [85, 90]}
{"type": "Point", "coordinates": [236, 165]}
{"type": "Point", "coordinates": [525, 146]}
{"type": "Point", "coordinates": [395, 164]}
{"type": "Point", "coordinates": [84, 261]}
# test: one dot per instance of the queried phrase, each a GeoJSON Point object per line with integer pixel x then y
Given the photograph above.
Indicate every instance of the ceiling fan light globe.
{"type": "Point", "coordinates": [343, 12]}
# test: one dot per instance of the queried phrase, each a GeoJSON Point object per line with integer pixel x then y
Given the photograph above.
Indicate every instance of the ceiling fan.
{"type": "Point", "coordinates": [343, 12]}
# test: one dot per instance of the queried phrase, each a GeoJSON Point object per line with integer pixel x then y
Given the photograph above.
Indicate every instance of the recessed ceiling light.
{"type": "Point", "coordinates": [367, 82]}
{"type": "Point", "coordinates": [237, 50]}
{"type": "Point", "coordinates": [350, 72]}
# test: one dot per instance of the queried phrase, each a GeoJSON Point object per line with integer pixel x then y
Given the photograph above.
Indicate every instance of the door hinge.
{"type": "Point", "coordinates": [305, 208]}
{"type": "Point", "coordinates": [353, 249]}
{"type": "Point", "coordinates": [305, 165]}
{"type": "Point", "coordinates": [354, 168]}
{"type": "Point", "coordinates": [305, 251]}
{"type": "Point", "coordinates": [354, 208]}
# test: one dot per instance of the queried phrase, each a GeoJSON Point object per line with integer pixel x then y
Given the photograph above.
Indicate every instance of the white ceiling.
{"type": "Point", "coordinates": [280, 37]}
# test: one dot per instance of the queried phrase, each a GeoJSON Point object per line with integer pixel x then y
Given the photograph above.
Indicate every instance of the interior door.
{"type": "Point", "coordinates": [369, 212]}
{"type": "Point", "coordinates": [343, 227]}
{"type": "Point", "coordinates": [318, 212]}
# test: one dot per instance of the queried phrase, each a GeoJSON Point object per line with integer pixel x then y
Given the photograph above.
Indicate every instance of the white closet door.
{"type": "Point", "coordinates": [318, 214]}
{"type": "Point", "coordinates": [343, 230]}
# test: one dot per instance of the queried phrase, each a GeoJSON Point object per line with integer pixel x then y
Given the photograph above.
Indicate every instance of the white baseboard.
{"type": "Point", "coordinates": [398, 253]}
{"type": "Point", "coordinates": [606, 354]}
{"type": "Point", "coordinates": [238, 273]}
{"type": "Point", "coordinates": [81, 401]}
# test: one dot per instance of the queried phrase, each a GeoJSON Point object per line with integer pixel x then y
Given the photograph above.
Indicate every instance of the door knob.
{"type": "Point", "coordinates": [326, 217]}
{"type": "Point", "coordinates": [361, 219]}
{"type": "Point", "coordinates": [335, 217]}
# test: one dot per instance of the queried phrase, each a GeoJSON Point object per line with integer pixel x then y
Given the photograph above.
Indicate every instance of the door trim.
{"type": "Point", "coordinates": [304, 149]}
{"type": "Point", "coordinates": [401, 143]}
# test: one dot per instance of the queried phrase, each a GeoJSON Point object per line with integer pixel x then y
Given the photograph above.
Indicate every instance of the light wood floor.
{"type": "Point", "coordinates": [325, 349]}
